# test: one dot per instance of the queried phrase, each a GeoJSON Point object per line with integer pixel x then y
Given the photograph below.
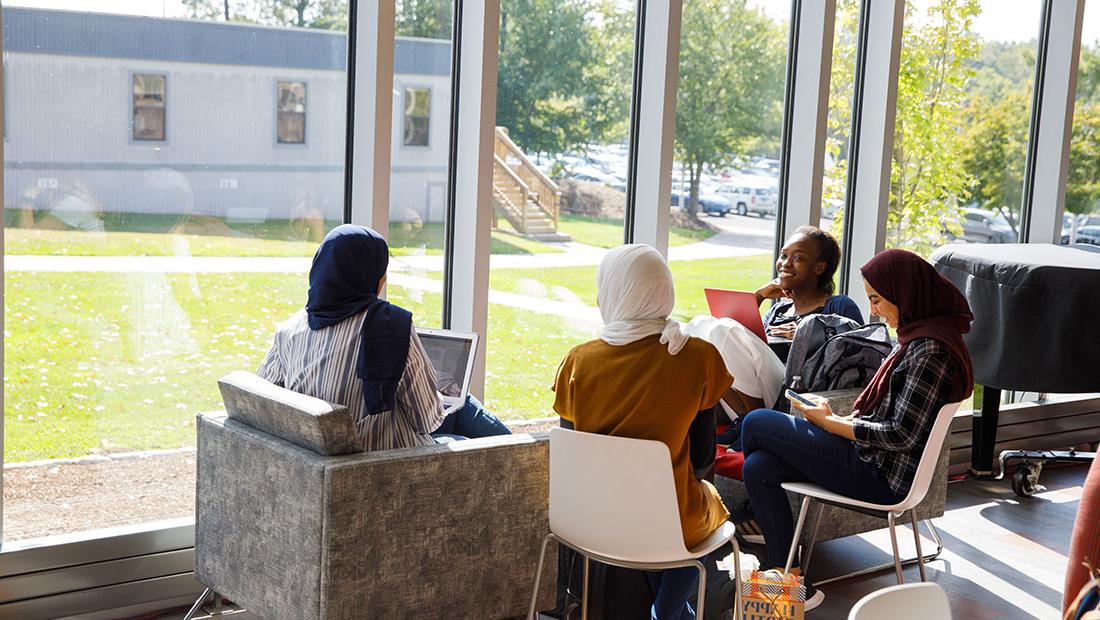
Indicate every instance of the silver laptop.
{"type": "Point", "coordinates": [452, 356]}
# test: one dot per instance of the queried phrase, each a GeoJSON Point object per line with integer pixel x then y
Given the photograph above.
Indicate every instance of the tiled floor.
{"type": "Point", "coordinates": [1003, 557]}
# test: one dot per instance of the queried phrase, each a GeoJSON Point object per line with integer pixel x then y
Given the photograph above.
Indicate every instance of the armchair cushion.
{"type": "Point", "coordinates": [320, 426]}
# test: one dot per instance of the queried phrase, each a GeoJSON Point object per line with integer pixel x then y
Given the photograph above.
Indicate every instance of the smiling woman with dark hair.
{"type": "Point", "coordinates": [348, 346]}
{"type": "Point", "coordinates": [806, 266]}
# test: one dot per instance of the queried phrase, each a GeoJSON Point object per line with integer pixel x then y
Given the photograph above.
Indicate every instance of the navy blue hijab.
{"type": "Point", "coordinates": [343, 282]}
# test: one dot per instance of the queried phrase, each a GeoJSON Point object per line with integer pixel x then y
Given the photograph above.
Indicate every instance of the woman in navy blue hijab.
{"type": "Point", "coordinates": [351, 347]}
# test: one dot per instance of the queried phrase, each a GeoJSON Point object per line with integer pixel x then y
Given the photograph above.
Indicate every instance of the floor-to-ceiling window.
{"type": "Point", "coordinates": [725, 175]}
{"type": "Point", "coordinates": [965, 83]}
{"type": "Point", "coordinates": [421, 131]}
{"type": "Point", "coordinates": [560, 162]}
{"type": "Point", "coordinates": [1081, 220]}
{"type": "Point", "coordinates": [167, 180]}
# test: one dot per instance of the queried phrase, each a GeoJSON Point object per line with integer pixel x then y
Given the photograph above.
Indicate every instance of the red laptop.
{"type": "Point", "coordinates": [737, 305]}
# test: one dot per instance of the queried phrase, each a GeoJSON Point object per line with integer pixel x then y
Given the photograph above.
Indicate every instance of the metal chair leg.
{"type": "Point", "coordinates": [805, 563]}
{"type": "Point", "coordinates": [797, 533]}
{"type": "Point", "coordinates": [198, 603]}
{"type": "Point", "coordinates": [538, 576]}
{"type": "Point", "coordinates": [584, 592]}
{"type": "Point", "coordinates": [738, 607]}
{"type": "Point", "coordinates": [701, 602]}
{"type": "Point", "coordinates": [894, 544]}
{"type": "Point", "coordinates": [916, 539]}
{"type": "Point", "coordinates": [935, 536]}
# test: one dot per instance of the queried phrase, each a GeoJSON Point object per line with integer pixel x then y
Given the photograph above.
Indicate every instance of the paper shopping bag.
{"type": "Point", "coordinates": [773, 595]}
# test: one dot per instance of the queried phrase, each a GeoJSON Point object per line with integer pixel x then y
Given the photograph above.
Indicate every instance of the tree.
{"type": "Point", "coordinates": [322, 14]}
{"type": "Point", "coordinates": [206, 9]}
{"type": "Point", "coordinates": [996, 150]}
{"type": "Point", "coordinates": [430, 19]}
{"type": "Point", "coordinates": [555, 88]}
{"type": "Point", "coordinates": [1083, 183]}
{"type": "Point", "coordinates": [927, 179]}
{"type": "Point", "coordinates": [731, 85]}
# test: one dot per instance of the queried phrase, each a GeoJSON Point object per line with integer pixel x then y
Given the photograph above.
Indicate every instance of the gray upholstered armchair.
{"type": "Point", "coordinates": [293, 520]}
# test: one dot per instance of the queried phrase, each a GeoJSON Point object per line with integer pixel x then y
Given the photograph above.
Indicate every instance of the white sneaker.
{"type": "Point", "coordinates": [814, 597]}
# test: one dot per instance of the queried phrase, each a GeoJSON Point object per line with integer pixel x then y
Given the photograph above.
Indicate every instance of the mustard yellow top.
{"type": "Point", "coordinates": [640, 391]}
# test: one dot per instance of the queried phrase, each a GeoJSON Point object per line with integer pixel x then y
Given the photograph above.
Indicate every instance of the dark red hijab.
{"type": "Point", "coordinates": [929, 306]}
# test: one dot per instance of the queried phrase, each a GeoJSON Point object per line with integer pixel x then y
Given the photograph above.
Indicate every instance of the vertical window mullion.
{"type": "Point", "coordinates": [653, 124]}
{"type": "Point", "coordinates": [370, 114]}
{"type": "Point", "coordinates": [1051, 122]}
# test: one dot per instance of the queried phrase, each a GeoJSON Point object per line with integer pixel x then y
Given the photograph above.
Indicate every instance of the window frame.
{"type": "Point", "coordinates": [405, 117]}
{"type": "Point", "coordinates": [134, 107]}
{"type": "Point", "coordinates": [305, 114]}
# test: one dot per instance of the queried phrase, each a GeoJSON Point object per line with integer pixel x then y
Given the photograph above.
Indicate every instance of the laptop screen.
{"type": "Point", "coordinates": [450, 356]}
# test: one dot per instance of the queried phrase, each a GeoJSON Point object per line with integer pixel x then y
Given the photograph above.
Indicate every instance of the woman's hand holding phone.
{"type": "Point", "coordinates": [816, 412]}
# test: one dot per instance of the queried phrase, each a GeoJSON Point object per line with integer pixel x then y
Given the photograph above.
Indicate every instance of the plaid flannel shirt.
{"type": "Point", "coordinates": [893, 435]}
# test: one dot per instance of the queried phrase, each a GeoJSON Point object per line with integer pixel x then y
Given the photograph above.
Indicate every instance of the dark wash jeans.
{"type": "Point", "coordinates": [469, 422]}
{"type": "Point", "coordinates": [782, 448]}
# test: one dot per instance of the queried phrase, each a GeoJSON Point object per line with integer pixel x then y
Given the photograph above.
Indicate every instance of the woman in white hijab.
{"type": "Point", "coordinates": [645, 378]}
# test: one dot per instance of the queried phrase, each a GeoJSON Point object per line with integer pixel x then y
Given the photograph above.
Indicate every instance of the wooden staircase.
{"type": "Point", "coordinates": [522, 194]}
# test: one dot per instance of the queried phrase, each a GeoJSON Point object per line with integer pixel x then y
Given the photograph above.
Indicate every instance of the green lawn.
{"type": "Point", "coordinates": [691, 277]}
{"type": "Point", "coordinates": [608, 233]}
{"type": "Point", "coordinates": [404, 240]}
{"type": "Point", "coordinates": [109, 362]}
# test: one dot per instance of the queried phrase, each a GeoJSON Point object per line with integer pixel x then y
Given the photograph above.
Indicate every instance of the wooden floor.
{"type": "Point", "coordinates": [1003, 557]}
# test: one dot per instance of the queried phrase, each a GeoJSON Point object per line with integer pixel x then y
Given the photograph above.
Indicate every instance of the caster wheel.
{"type": "Point", "coordinates": [1025, 482]}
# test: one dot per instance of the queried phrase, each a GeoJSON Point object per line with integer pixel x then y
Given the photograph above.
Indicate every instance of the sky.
{"type": "Point", "coordinates": [1001, 20]}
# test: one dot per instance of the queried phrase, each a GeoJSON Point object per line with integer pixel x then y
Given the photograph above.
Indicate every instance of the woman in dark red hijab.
{"type": "Point", "coordinates": [873, 454]}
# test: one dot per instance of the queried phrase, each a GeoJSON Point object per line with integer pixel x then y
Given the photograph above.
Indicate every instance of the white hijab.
{"type": "Point", "coordinates": [635, 294]}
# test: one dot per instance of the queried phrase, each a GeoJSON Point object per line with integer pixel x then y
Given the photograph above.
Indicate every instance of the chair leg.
{"type": "Point", "coordinates": [538, 576]}
{"type": "Point", "coordinates": [198, 603]}
{"type": "Point", "coordinates": [797, 533]}
{"type": "Point", "coordinates": [701, 602]}
{"type": "Point", "coordinates": [584, 592]}
{"type": "Point", "coordinates": [805, 564]}
{"type": "Point", "coordinates": [916, 539]}
{"type": "Point", "coordinates": [738, 607]}
{"type": "Point", "coordinates": [894, 543]}
{"type": "Point", "coordinates": [935, 536]}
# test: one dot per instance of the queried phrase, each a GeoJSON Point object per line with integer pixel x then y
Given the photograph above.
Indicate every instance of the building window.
{"type": "Point", "coordinates": [417, 116]}
{"type": "Point", "coordinates": [292, 113]}
{"type": "Point", "coordinates": [149, 97]}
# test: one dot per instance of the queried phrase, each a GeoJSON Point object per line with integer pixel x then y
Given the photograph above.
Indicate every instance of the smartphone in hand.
{"type": "Point", "coordinates": [795, 396]}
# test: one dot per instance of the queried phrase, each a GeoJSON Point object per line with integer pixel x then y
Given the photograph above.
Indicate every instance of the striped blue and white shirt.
{"type": "Point", "coordinates": [321, 363]}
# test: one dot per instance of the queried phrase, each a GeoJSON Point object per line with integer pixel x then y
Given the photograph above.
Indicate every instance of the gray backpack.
{"type": "Point", "coordinates": [832, 352]}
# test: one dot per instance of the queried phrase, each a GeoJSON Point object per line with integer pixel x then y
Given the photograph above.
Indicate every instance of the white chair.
{"type": "Point", "coordinates": [613, 499]}
{"type": "Point", "coordinates": [921, 481]}
{"type": "Point", "coordinates": [912, 601]}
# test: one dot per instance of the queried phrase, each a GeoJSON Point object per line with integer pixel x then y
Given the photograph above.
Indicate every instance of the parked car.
{"type": "Point", "coordinates": [745, 198]}
{"type": "Point", "coordinates": [1068, 221]}
{"type": "Point", "coordinates": [1089, 234]}
{"type": "Point", "coordinates": [830, 206]}
{"type": "Point", "coordinates": [710, 203]}
{"type": "Point", "coordinates": [984, 226]}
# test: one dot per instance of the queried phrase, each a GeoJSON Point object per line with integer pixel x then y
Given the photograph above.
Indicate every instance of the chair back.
{"type": "Point", "coordinates": [912, 601]}
{"type": "Point", "coordinates": [926, 468]}
{"type": "Point", "coordinates": [614, 496]}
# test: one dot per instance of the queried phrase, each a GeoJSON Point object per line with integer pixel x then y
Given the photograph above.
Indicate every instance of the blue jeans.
{"type": "Point", "coordinates": [469, 422]}
{"type": "Point", "coordinates": [782, 448]}
{"type": "Point", "coordinates": [672, 588]}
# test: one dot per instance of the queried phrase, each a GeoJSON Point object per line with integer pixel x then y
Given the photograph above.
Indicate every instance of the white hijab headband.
{"type": "Point", "coordinates": [635, 294]}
